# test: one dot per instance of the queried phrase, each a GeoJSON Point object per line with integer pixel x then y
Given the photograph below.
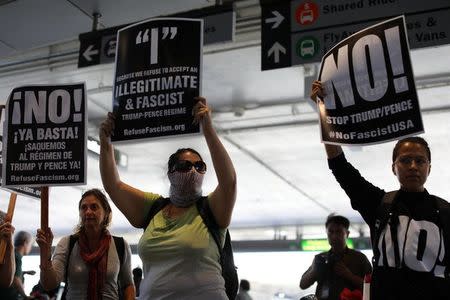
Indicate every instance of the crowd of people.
{"type": "Point", "coordinates": [181, 260]}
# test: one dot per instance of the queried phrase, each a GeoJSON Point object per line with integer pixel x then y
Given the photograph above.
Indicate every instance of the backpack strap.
{"type": "Point", "coordinates": [72, 240]}
{"type": "Point", "coordinates": [442, 205]}
{"type": "Point", "coordinates": [385, 215]}
{"type": "Point", "coordinates": [208, 218]}
{"type": "Point", "coordinates": [389, 199]}
{"type": "Point", "coordinates": [120, 248]}
{"type": "Point", "coordinates": [159, 204]}
{"type": "Point", "coordinates": [229, 272]}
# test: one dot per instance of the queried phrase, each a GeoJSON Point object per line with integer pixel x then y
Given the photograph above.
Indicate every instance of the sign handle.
{"type": "Point", "coordinates": [44, 207]}
{"type": "Point", "coordinates": [44, 215]}
{"type": "Point", "coordinates": [9, 216]}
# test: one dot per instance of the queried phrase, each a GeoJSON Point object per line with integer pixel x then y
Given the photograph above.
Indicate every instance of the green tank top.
{"type": "Point", "coordinates": [180, 257]}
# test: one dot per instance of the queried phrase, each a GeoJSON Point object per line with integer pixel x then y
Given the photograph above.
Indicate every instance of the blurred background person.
{"type": "Point", "coordinates": [22, 246]}
{"type": "Point", "coordinates": [137, 278]}
{"type": "Point", "coordinates": [338, 268]}
{"type": "Point", "coordinates": [244, 287]}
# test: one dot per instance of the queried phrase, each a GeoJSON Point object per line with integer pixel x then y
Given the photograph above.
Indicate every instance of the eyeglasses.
{"type": "Point", "coordinates": [407, 160]}
{"type": "Point", "coordinates": [186, 166]}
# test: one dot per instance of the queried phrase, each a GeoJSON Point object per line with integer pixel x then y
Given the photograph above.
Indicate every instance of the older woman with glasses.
{"type": "Point", "coordinates": [410, 228]}
{"type": "Point", "coordinates": [180, 257]}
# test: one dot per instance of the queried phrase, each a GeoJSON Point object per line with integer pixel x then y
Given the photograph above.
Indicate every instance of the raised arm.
{"type": "Point", "coordinates": [128, 199]}
{"type": "Point", "coordinates": [224, 195]}
{"type": "Point", "coordinates": [364, 196]}
{"type": "Point", "coordinates": [8, 267]}
{"type": "Point", "coordinates": [316, 95]}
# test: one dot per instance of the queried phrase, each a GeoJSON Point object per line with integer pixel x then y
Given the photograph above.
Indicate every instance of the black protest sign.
{"type": "Point", "coordinates": [29, 191]}
{"type": "Point", "coordinates": [33, 192]}
{"type": "Point", "coordinates": [370, 95]}
{"type": "Point", "coordinates": [44, 142]}
{"type": "Point", "coordinates": [158, 74]}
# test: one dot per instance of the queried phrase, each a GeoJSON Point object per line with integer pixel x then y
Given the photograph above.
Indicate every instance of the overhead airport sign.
{"type": "Point", "coordinates": [314, 27]}
{"type": "Point", "coordinates": [370, 95]}
{"type": "Point", "coordinates": [99, 47]}
{"type": "Point", "coordinates": [45, 136]}
{"type": "Point", "coordinates": [158, 74]}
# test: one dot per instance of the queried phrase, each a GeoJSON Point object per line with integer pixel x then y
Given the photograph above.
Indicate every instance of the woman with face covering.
{"type": "Point", "coordinates": [179, 255]}
{"type": "Point", "coordinates": [91, 268]}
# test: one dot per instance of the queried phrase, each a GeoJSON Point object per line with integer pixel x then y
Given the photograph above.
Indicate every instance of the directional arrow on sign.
{"type": "Point", "coordinates": [275, 20]}
{"type": "Point", "coordinates": [275, 50]}
{"type": "Point", "coordinates": [89, 52]}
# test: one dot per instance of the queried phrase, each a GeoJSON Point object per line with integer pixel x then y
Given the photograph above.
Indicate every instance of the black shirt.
{"type": "Point", "coordinates": [423, 239]}
{"type": "Point", "coordinates": [330, 285]}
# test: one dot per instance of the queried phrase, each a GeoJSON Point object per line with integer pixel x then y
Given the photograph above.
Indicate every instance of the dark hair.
{"type": "Point", "coordinates": [21, 238]}
{"type": "Point", "coordinates": [412, 139]}
{"type": "Point", "coordinates": [175, 157]}
{"type": "Point", "coordinates": [244, 284]}
{"type": "Point", "coordinates": [100, 196]}
{"type": "Point", "coordinates": [339, 220]}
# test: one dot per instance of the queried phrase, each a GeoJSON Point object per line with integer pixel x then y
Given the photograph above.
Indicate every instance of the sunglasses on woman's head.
{"type": "Point", "coordinates": [186, 166]}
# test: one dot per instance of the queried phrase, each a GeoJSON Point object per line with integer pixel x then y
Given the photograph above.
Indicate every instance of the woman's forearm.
{"type": "Point", "coordinates": [224, 196]}
{"type": "Point", "coordinates": [48, 278]}
{"type": "Point", "coordinates": [129, 201]}
{"type": "Point", "coordinates": [8, 267]}
{"type": "Point", "coordinates": [223, 166]}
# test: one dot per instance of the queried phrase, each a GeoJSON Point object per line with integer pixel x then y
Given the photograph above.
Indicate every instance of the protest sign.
{"type": "Point", "coordinates": [370, 95]}
{"type": "Point", "coordinates": [44, 140]}
{"type": "Point", "coordinates": [158, 74]}
{"type": "Point", "coordinates": [33, 192]}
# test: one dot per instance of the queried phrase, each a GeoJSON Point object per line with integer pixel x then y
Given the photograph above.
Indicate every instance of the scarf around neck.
{"type": "Point", "coordinates": [97, 262]}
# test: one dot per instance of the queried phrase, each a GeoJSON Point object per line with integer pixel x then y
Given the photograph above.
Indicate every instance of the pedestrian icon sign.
{"type": "Point", "coordinates": [307, 47]}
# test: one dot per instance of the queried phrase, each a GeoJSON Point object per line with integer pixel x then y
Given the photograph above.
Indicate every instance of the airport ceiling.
{"type": "Point", "coordinates": [263, 119]}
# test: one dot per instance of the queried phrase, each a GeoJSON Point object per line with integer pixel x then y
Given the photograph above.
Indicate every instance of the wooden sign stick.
{"type": "Point", "coordinates": [9, 216]}
{"type": "Point", "coordinates": [44, 216]}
